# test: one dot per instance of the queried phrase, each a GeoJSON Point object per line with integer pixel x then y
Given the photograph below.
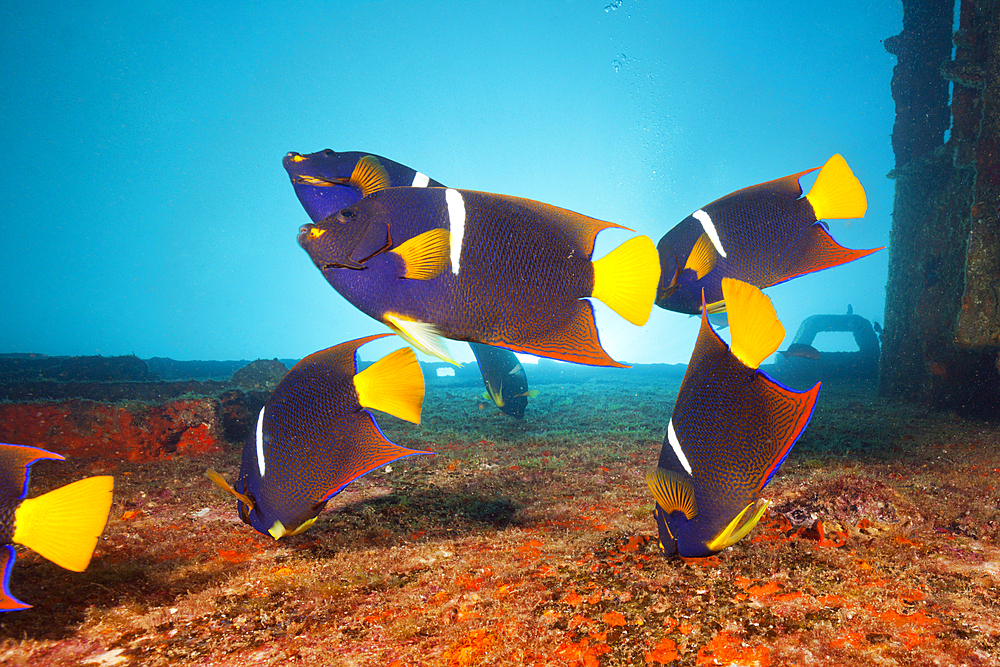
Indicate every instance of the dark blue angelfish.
{"type": "Point", "coordinates": [731, 429]}
{"type": "Point", "coordinates": [315, 436]}
{"type": "Point", "coordinates": [327, 181]}
{"type": "Point", "coordinates": [764, 234]}
{"type": "Point", "coordinates": [505, 379]}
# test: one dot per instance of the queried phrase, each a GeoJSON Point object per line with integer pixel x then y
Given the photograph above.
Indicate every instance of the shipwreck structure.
{"type": "Point", "coordinates": [941, 342]}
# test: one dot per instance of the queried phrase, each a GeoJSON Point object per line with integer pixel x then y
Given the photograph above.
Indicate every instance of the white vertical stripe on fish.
{"type": "Point", "coordinates": [456, 222]}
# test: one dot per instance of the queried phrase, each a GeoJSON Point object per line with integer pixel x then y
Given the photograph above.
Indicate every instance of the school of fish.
{"type": "Point", "coordinates": [506, 275]}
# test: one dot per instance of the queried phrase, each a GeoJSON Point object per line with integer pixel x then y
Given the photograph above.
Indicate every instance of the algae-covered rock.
{"type": "Point", "coordinates": [260, 375]}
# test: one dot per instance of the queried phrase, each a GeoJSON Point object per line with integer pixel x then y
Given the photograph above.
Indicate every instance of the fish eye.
{"type": "Point", "coordinates": [347, 214]}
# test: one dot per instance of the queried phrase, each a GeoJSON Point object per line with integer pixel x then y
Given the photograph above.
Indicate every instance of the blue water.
{"type": "Point", "coordinates": [146, 210]}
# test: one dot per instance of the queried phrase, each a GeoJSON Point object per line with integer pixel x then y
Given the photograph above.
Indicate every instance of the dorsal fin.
{"type": "Point", "coordinates": [837, 192]}
{"type": "Point", "coordinates": [756, 331]}
{"type": "Point", "coordinates": [672, 491]}
{"type": "Point", "coordinates": [369, 175]}
{"type": "Point", "coordinates": [393, 384]}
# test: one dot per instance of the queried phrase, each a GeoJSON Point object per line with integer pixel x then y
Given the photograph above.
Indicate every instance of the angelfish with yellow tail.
{"type": "Point", "coordinates": [62, 525]}
{"type": "Point", "coordinates": [731, 429]}
{"type": "Point", "coordinates": [315, 435]}
{"type": "Point", "coordinates": [764, 235]}
{"type": "Point", "coordinates": [437, 263]}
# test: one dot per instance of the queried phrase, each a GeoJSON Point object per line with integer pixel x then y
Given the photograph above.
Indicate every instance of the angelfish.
{"type": "Point", "coordinates": [327, 181]}
{"type": "Point", "coordinates": [764, 234]}
{"type": "Point", "coordinates": [315, 435]}
{"type": "Point", "coordinates": [62, 525]}
{"type": "Point", "coordinates": [730, 431]}
{"type": "Point", "coordinates": [505, 380]}
{"type": "Point", "coordinates": [437, 263]}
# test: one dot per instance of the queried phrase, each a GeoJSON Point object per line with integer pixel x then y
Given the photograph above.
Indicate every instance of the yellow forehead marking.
{"type": "Point", "coordinates": [299, 158]}
{"type": "Point", "coordinates": [316, 232]}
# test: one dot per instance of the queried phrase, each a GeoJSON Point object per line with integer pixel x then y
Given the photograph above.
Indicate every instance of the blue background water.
{"type": "Point", "coordinates": [146, 210]}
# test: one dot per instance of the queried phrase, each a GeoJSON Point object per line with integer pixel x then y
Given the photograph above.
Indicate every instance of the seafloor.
{"type": "Point", "coordinates": [532, 543]}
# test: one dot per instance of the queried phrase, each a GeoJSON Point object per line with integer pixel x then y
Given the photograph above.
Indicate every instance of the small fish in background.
{"type": "Point", "coordinates": [764, 234]}
{"type": "Point", "coordinates": [62, 525]}
{"type": "Point", "coordinates": [315, 436]}
{"type": "Point", "coordinates": [327, 181]}
{"type": "Point", "coordinates": [435, 263]}
{"type": "Point", "coordinates": [850, 309]}
{"type": "Point", "coordinates": [800, 350]}
{"type": "Point", "coordinates": [505, 379]}
{"type": "Point", "coordinates": [730, 431]}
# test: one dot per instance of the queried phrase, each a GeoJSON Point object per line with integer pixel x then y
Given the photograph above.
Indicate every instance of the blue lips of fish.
{"type": "Point", "coordinates": [315, 436]}
{"type": "Point", "coordinates": [731, 429]}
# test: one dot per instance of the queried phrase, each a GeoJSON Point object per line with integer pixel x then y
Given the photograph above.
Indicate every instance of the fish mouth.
{"type": "Point", "coordinates": [303, 235]}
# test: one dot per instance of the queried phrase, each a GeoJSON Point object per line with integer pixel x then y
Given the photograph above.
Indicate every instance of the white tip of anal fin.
{"type": "Point", "coordinates": [676, 446]}
{"type": "Point", "coordinates": [713, 234]}
{"type": "Point", "coordinates": [260, 441]}
{"type": "Point", "coordinates": [456, 224]}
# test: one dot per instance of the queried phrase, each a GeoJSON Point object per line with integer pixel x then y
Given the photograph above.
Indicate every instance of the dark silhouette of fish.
{"type": "Point", "coordinates": [315, 436]}
{"type": "Point", "coordinates": [62, 525]}
{"type": "Point", "coordinates": [800, 350]}
{"type": "Point", "coordinates": [436, 263]}
{"type": "Point", "coordinates": [764, 234]}
{"type": "Point", "coordinates": [505, 379]}
{"type": "Point", "coordinates": [730, 431]}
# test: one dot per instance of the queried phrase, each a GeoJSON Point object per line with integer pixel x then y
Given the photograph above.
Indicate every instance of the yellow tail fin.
{"type": "Point", "coordinates": [837, 193]}
{"type": "Point", "coordinates": [626, 279]}
{"type": "Point", "coordinates": [393, 384]}
{"type": "Point", "coordinates": [756, 331]}
{"type": "Point", "coordinates": [64, 525]}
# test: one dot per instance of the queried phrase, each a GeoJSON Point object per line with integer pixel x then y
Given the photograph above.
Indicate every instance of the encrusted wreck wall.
{"type": "Point", "coordinates": [942, 322]}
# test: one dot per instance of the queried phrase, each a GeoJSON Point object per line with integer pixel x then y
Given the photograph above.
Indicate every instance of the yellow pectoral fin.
{"type": "Point", "coordinates": [64, 525]}
{"type": "Point", "coordinates": [837, 192]}
{"type": "Point", "coordinates": [672, 491]}
{"type": "Point", "coordinates": [627, 277]}
{"type": "Point", "coordinates": [703, 257]}
{"type": "Point", "coordinates": [426, 255]}
{"type": "Point", "coordinates": [421, 335]}
{"type": "Point", "coordinates": [393, 384]}
{"type": "Point", "coordinates": [755, 330]}
{"type": "Point", "coordinates": [369, 175]}
{"type": "Point", "coordinates": [735, 531]}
